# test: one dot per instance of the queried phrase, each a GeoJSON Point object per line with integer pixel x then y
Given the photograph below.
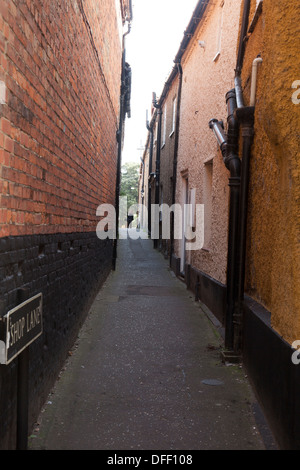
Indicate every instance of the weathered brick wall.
{"type": "Point", "coordinates": [60, 70]}
{"type": "Point", "coordinates": [67, 269]}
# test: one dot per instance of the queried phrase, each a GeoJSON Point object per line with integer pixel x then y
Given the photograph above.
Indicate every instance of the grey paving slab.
{"type": "Point", "coordinates": [145, 372]}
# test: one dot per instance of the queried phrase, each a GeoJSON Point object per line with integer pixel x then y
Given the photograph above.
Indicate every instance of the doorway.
{"type": "Point", "coordinates": [185, 200]}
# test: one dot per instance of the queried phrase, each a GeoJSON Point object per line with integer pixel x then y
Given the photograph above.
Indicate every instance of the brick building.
{"type": "Point", "coordinates": [61, 67]}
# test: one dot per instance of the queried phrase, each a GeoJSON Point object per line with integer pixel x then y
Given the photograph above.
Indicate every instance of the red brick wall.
{"type": "Point", "coordinates": [61, 69]}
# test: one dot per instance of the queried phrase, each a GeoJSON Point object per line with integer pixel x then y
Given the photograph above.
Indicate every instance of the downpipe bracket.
{"type": "Point", "coordinates": [245, 116]}
{"type": "Point", "coordinates": [234, 181]}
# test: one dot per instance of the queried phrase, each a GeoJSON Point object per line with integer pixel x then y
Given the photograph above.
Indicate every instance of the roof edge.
{"type": "Point", "coordinates": [188, 34]}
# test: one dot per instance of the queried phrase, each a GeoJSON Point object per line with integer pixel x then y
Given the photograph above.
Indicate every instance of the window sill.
{"type": "Point", "coordinates": [171, 134]}
{"type": "Point", "coordinates": [216, 56]}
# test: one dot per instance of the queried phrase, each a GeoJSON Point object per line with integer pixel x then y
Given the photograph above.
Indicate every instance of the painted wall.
{"type": "Point", "coordinates": [169, 110]}
{"type": "Point", "coordinates": [208, 73]}
{"type": "Point", "coordinates": [143, 188]}
{"type": "Point", "coordinates": [273, 256]}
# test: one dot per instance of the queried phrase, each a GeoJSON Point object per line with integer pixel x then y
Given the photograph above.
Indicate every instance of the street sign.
{"type": "Point", "coordinates": [20, 327]}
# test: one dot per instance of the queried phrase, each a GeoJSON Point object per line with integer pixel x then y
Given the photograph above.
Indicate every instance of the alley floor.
{"type": "Point", "coordinates": [145, 372]}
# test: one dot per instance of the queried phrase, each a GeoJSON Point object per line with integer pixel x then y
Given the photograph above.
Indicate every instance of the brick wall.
{"type": "Point", "coordinates": [167, 153]}
{"type": "Point", "coordinates": [60, 71]}
{"type": "Point", "coordinates": [59, 119]}
{"type": "Point", "coordinates": [67, 269]}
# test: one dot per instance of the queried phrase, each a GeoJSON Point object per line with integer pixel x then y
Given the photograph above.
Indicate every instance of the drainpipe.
{"type": "Point", "coordinates": [142, 193]}
{"type": "Point", "coordinates": [118, 179]}
{"type": "Point", "coordinates": [157, 168]}
{"type": "Point", "coordinates": [255, 63]}
{"type": "Point", "coordinates": [233, 164]}
{"type": "Point", "coordinates": [179, 68]}
{"type": "Point", "coordinates": [245, 117]}
{"type": "Point", "coordinates": [229, 148]}
{"type": "Point", "coordinates": [238, 116]}
{"type": "Point", "coordinates": [150, 129]}
{"type": "Point", "coordinates": [119, 137]}
{"type": "Point", "coordinates": [241, 53]}
{"type": "Point", "coordinates": [243, 38]}
{"type": "Point", "coordinates": [233, 314]}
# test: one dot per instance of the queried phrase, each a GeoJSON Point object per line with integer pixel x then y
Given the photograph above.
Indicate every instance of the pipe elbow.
{"type": "Point", "coordinates": [255, 63]}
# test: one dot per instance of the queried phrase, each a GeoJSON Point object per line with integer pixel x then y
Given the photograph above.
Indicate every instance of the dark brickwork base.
{"type": "Point", "coordinates": [68, 269]}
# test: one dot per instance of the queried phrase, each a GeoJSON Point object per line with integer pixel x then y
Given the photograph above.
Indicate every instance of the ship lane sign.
{"type": "Point", "coordinates": [20, 327]}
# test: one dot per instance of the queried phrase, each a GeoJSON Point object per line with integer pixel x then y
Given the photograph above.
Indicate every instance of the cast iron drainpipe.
{"type": "Point", "coordinates": [157, 169]}
{"type": "Point", "coordinates": [174, 183]}
{"type": "Point", "coordinates": [119, 134]}
{"type": "Point", "coordinates": [150, 129]}
{"type": "Point", "coordinates": [238, 114]}
{"type": "Point", "coordinates": [235, 261]}
{"type": "Point", "coordinates": [245, 117]}
{"type": "Point", "coordinates": [118, 178]}
{"type": "Point", "coordinates": [229, 149]}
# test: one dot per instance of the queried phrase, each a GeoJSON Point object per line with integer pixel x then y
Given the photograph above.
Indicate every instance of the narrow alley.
{"type": "Point", "coordinates": [149, 225]}
{"type": "Point", "coordinates": [145, 372]}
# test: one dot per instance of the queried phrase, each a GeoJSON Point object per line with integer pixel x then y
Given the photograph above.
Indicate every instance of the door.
{"type": "Point", "coordinates": [185, 200]}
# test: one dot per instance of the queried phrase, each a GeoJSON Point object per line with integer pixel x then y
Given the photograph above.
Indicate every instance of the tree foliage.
{"type": "Point", "coordinates": [129, 182]}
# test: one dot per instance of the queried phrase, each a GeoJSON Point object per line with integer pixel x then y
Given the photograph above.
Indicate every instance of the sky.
{"type": "Point", "coordinates": [151, 46]}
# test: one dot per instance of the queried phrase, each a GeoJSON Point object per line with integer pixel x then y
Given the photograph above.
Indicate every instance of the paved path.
{"type": "Point", "coordinates": [146, 372]}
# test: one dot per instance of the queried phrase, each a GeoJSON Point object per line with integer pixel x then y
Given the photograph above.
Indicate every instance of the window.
{"type": "Point", "coordinates": [192, 208]}
{"type": "Point", "coordinates": [207, 199]}
{"type": "Point", "coordinates": [164, 125]}
{"type": "Point", "coordinates": [155, 133]}
{"type": "Point", "coordinates": [219, 34]}
{"type": "Point", "coordinates": [173, 116]}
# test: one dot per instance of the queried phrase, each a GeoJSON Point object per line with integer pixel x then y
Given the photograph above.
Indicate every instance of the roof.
{"type": "Point", "coordinates": [187, 36]}
{"type": "Point", "coordinates": [126, 8]}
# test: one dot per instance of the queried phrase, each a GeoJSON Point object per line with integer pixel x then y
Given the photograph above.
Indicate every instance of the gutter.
{"type": "Point", "coordinates": [191, 28]}
{"type": "Point", "coordinates": [187, 37]}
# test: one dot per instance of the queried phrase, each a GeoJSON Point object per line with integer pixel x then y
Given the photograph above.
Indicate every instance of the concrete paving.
{"type": "Point", "coordinates": [145, 372]}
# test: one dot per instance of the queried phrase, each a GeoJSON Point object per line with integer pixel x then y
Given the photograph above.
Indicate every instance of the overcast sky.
{"type": "Point", "coordinates": [156, 33]}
